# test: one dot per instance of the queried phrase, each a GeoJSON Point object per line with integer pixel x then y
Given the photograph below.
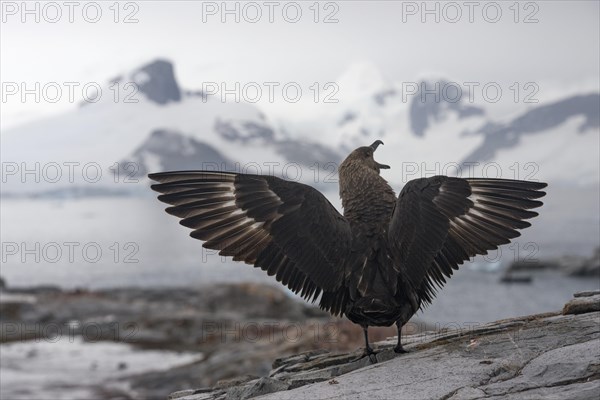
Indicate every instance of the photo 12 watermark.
{"type": "Point", "coordinates": [69, 92]}
{"type": "Point", "coordinates": [453, 12]}
{"type": "Point", "coordinates": [54, 12]}
{"type": "Point", "coordinates": [518, 170]}
{"type": "Point", "coordinates": [252, 12]}
{"type": "Point", "coordinates": [515, 252]}
{"type": "Point", "coordinates": [468, 92]}
{"type": "Point", "coordinates": [254, 92]}
{"type": "Point", "coordinates": [70, 172]}
{"type": "Point", "coordinates": [69, 252]}
{"type": "Point", "coordinates": [53, 332]}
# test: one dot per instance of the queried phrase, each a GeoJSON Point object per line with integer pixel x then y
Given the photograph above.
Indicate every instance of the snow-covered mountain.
{"type": "Point", "coordinates": [155, 124]}
{"type": "Point", "coordinates": [152, 125]}
{"type": "Point", "coordinates": [434, 126]}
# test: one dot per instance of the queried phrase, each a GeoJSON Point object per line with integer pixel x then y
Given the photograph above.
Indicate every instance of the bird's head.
{"type": "Point", "coordinates": [363, 156]}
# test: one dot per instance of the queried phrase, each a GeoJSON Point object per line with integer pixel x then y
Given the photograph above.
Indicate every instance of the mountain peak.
{"type": "Point", "coordinates": [157, 81]}
{"type": "Point", "coordinates": [424, 109]}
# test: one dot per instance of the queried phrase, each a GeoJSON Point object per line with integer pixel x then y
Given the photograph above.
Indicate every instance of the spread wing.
{"type": "Point", "coordinates": [288, 229]}
{"type": "Point", "coordinates": [440, 222]}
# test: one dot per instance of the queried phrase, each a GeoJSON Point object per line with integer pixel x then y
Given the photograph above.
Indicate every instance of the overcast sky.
{"type": "Point", "coordinates": [559, 47]}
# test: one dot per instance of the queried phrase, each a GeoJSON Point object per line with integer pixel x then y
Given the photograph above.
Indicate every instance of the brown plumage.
{"type": "Point", "coordinates": [378, 263]}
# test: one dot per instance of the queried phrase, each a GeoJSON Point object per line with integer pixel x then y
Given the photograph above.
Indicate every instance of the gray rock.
{"type": "Point", "coordinates": [172, 150]}
{"type": "Point", "coordinates": [296, 151]}
{"type": "Point", "coordinates": [582, 305]}
{"type": "Point", "coordinates": [307, 153]}
{"type": "Point", "coordinates": [227, 383]}
{"type": "Point", "coordinates": [157, 81]}
{"type": "Point", "coordinates": [562, 366]}
{"type": "Point", "coordinates": [575, 391]}
{"type": "Point", "coordinates": [587, 293]}
{"type": "Point", "coordinates": [245, 132]}
{"type": "Point", "coordinates": [433, 101]}
{"type": "Point", "coordinates": [468, 393]}
{"type": "Point", "coordinates": [347, 117]}
{"type": "Point", "coordinates": [181, 393]}
{"type": "Point", "coordinates": [256, 388]}
{"type": "Point", "coordinates": [14, 306]}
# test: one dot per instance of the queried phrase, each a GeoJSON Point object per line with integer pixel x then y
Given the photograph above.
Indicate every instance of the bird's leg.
{"type": "Point", "coordinates": [399, 349]}
{"type": "Point", "coordinates": [369, 352]}
{"type": "Point", "coordinates": [368, 348]}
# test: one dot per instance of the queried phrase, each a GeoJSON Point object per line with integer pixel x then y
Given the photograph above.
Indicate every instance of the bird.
{"type": "Point", "coordinates": [378, 263]}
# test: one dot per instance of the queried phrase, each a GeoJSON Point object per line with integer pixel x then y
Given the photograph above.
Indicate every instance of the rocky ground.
{"type": "Point", "coordinates": [237, 329]}
{"type": "Point", "coordinates": [550, 356]}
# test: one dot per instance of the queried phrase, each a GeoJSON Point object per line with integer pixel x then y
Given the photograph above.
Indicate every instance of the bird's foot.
{"type": "Point", "coordinates": [373, 358]}
{"type": "Point", "coordinates": [368, 352]}
{"type": "Point", "coordinates": [400, 350]}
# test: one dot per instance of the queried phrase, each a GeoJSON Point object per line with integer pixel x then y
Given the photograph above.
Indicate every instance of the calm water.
{"type": "Point", "coordinates": [106, 242]}
{"type": "Point", "coordinates": [478, 297]}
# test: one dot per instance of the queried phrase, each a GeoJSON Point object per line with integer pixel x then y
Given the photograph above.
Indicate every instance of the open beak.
{"type": "Point", "coordinates": [374, 146]}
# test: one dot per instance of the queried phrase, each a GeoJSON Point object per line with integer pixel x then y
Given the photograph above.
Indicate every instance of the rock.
{"type": "Point", "coordinates": [426, 109]}
{"type": "Point", "coordinates": [306, 153]}
{"type": "Point", "coordinates": [227, 383]}
{"type": "Point", "coordinates": [468, 393]}
{"type": "Point", "coordinates": [556, 367]}
{"type": "Point", "coordinates": [587, 267]}
{"type": "Point", "coordinates": [157, 81]}
{"type": "Point", "coordinates": [550, 355]}
{"type": "Point", "coordinates": [14, 306]}
{"type": "Point", "coordinates": [580, 305]}
{"type": "Point", "coordinates": [171, 150]}
{"type": "Point", "coordinates": [511, 278]}
{"type": "Point", "coordinates": [256, 388]}
{"type": "Point", "coordinates": [576, 391]}
{"type": "Point", "coordinates": [181, 393]}
{"type": "Point", "coordinates": [169, 318]}
{"type": "Point", "coordinates": [259, 132]}
{"type": "Point", "coordinates": [586, 293]}
{"type": "Point", "coordinates": [570, 265]}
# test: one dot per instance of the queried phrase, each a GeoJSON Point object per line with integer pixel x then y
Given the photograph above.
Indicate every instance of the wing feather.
{"type": "Point", "coordinates": [287, 229]}
{"type": "Point", "coordinates": [440, 222]}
